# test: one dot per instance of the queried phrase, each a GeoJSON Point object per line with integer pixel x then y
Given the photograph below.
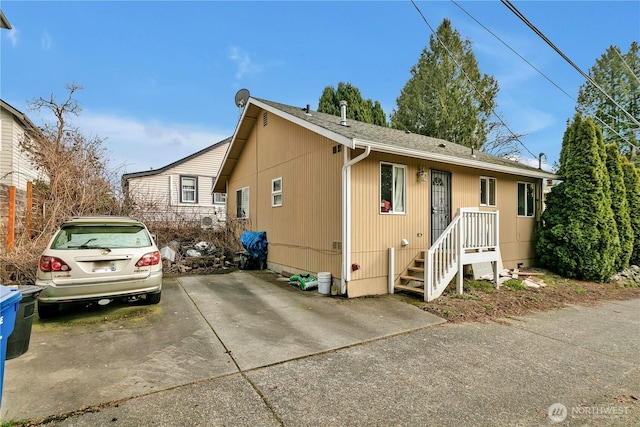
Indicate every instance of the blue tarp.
{"type": "Point", "coordinates": [255, 243]}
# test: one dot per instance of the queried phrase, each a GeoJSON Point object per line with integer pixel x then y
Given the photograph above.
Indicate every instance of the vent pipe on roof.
{"type": "Point", "coordinates": [343, 113]}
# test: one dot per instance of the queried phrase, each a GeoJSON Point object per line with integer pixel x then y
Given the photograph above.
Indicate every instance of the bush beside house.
{"type": "Point", "coordinates": [579, 237]}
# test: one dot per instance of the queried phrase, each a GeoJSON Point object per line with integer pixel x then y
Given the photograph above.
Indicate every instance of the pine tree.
{"type": "Point", "coordinates": [448, 97]}
{"type": "Point", "coordinates": [620, 205]}
{"type": "Point", "coordinates": [617, 74]}
{"type": "Point", "coordinates": [579, 237]}
{"type": "Point", "coordinates": [632, 184]}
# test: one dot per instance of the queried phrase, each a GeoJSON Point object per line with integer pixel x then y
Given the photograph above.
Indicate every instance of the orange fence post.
{"type": "Point", "coordinates": [11, 221]}
{"type": "Point", "coordinates": [28, 213]}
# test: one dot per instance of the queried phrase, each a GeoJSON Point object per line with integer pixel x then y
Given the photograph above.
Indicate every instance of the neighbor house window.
{"type": "Point", "coordinates": [487, 191]}
{"type": "Point", "coordinates": [219, 198]}
{"type": "Point", "coordinates": [242, 203]}
{"type": "Point", "coordinates": [393, 188]}
{"type": "Point", "coordinates": [526, 199]}
{"type": "Point", "coordinates": [188, 189]}
{"type": "Point", "coordinates": [276, 192]}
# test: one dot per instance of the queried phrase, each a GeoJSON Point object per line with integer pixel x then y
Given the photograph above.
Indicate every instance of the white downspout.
{"type": "Point", "coordinates": [346, 216]}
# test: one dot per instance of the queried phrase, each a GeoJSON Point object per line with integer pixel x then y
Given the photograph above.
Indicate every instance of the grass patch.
{"type": "Point", "coordinates": [513, 284]}
{"type": "Point", "coordinates": [581, 291]}
{"type": "Point", "coordinates": [479, 285]}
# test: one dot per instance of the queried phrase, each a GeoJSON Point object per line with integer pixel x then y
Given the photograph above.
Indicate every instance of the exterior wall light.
{"type": "Point", "coordinates": [422, 174]}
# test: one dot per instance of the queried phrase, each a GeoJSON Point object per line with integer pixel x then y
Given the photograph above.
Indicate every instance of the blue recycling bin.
{"type": "Point", "coordinates": [9, 305]}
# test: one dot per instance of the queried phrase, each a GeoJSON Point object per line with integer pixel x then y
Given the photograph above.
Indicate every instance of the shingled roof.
{"type": "Point", "coordinates": [360, 135]}
{"type": "Point", "coordinates": [394, 139]}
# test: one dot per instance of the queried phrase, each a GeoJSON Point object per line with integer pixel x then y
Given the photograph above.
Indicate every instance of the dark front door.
{"type": "Point", "coordinates": [440, 203]}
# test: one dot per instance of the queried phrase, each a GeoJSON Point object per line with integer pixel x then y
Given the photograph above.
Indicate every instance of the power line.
{"type": "Point", "coordinates": [467, 77]}
{"type": "Point", "coordinates": [513, 9]}
{"type": "Point", "coordinates": [625, 63]}
{"type": "Point", "coordinates": [606, 125]}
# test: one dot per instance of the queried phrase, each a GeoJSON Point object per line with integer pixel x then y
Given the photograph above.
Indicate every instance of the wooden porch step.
{"type": "Point", "coordinates": [418, 269]}
{"type": "Point", "coordinates": [410, 289]}
{"type": "Point", "coordinates": [417, 279]}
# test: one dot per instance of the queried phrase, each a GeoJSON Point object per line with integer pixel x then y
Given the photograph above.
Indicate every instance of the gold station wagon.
{"type": "Point", "coordinates": [99, 259]}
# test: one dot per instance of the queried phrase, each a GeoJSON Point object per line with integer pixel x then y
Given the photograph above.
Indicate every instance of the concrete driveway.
{"type": "Point", "coordinates": [205, 327]}
{"type": "Point", "coordinates": [233, 350]}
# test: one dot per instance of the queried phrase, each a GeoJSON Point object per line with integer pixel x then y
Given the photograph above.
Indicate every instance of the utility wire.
{"type": "Point", "coordinates": [549, 79]}
{"type": "Point", "coordinates": [513, 9]}
{"type": "Point", "coordinates": [467, 77]}
{"type": "Point", "coordinates": [626, 65]}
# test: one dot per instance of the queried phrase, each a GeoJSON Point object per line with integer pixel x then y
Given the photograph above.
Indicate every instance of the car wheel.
{"type": "Point", "coordinates": [154, 298]}
{"type": "Point", "coordinates": [47, 310]}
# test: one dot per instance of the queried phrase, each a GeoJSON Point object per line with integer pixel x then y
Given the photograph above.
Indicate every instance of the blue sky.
{"type": "Point", "coordinates": [159, 77]}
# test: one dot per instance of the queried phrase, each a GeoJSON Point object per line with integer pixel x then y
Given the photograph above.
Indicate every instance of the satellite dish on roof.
{"type": "Point", "coordinates": [242, 97]}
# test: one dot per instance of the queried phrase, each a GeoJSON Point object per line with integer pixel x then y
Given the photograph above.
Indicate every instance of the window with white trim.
{"type": "Point", "coordinates": [526, 199]}
{"type": "Point", "coordinates": [393, 188]}
{"type": "Point", "coordinates": [276, 192]}
{"type": "Point", "coordinates": [219, 198]}
{"type": "Point", "coordinates": [242, 203]}
{"type": "Point", "coordinates": [487, 191]}
{"type": "Point", "coordinates": [188, 189]}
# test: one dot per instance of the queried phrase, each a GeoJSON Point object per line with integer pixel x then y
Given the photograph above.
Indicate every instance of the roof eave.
{"type": "Point", "coordinates": [228, 164]}
{"type": "Point", "coordinates": [472, 163]}
{"type": "Point", "coordinates": [4, 22]}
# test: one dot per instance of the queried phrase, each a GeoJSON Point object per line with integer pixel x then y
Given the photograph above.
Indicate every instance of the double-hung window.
{"type": "Point", "coordinates": [276, 192]}
{"type": "Point", "coordinates": [487, 191]}
{"type": "Point", "coordinates": [242, 203]}
{"type": "Point", "coordinates": [188, 189]}
{"type": "Point", "coordinates": [219, 198]}
{"type": "Point", "coordinates": [526, 199]}
{"type": "Point", "coordinates": [393, 188]}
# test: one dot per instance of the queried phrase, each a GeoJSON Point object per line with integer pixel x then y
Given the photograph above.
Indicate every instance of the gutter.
{"type": "Point", "coordinates": [455, 160]}
{"type": "Point", "coordinates": [345, 276]}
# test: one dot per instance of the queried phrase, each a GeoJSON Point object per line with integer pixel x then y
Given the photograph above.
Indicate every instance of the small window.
{"type": "Point", "coordinates": [242, 203]}
{"type": "Point", "coordinates": [219, 198]}
{"type": "Point", "coordinates": [188, 189]}
{"type": "Point", "coordinates": [393, 188]}
{"type": "Point", "coordinates": [276, 192]}
{"type": "Point", "coordinates": [487, 191]}
{"type": "Point", "coordinates": [526, 199]}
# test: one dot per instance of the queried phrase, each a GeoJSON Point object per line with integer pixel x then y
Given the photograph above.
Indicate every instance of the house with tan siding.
{"type": "Point", "coordinates": [182, 190]}
{"type": "Point", "coordinates": [379, 208]}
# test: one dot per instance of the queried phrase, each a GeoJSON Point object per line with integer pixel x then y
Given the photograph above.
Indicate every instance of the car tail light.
{"type": "Point", "coordinates": [48, 264]}
{"type": "Point", "coordinates": [151, 258]}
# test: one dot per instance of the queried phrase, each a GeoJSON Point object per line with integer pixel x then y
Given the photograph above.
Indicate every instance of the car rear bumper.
{"type": "Point", "coordinates": [82, 292]}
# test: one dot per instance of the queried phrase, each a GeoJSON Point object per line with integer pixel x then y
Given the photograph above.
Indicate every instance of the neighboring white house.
{"type": "Point", "coordinates": [17, 172]}
{"type": "Point", "coordinates": [15, 167]}
{"type": "Point", "coordinates": [182, 190]}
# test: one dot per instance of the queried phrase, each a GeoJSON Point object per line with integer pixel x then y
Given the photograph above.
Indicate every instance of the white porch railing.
{"type": "Point", "coordinates": [471, 237]}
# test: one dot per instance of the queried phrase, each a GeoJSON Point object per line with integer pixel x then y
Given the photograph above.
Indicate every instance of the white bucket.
{"type": "Point", "coordinates": [324, 283]}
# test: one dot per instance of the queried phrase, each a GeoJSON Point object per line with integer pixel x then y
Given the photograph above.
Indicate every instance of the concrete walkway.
{"type": "Point", "coordinates": [234, 350]}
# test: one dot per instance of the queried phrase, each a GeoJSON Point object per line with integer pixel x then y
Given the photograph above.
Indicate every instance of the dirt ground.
{"type": "Point", "coordinates": [481, 302]}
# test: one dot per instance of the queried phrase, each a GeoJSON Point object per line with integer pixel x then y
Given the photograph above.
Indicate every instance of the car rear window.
{"type": "Point", "coordinates": [91, 236]}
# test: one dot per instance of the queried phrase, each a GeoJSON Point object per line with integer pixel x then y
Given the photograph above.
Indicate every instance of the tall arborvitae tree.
{"type": "Point", "coordinates": [617, 74]}
{"type": "Point", "coordinates": [359, 109]}
{"type": "Point", "coordinates": [632, 184]}
{"type": "Point", "coordinates": [448, 97]}
{"type": "Point", "coordinates": [579, 238]}
{"type": "Point", "coordinates": [620, 205]}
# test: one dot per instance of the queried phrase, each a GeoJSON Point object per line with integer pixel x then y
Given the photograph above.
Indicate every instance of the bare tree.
{"type": "Point", "coordinates": [77, 182]}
